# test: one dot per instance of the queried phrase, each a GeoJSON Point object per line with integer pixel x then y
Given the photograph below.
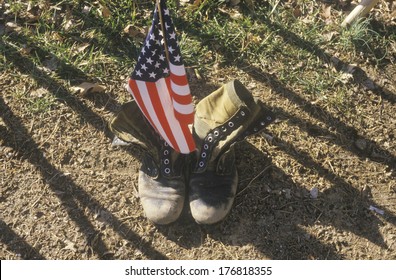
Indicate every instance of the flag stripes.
{"type": "Point", "coordinates": [160, 87]}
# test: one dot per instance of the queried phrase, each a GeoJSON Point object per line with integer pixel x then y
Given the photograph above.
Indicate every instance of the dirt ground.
{"type": "Point", "coordinates": [66, 193]}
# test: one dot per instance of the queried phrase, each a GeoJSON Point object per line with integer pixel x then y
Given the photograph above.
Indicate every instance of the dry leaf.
{"type": "Point", "coordinates": [51, 64]}
{"type": "Point", "coordinates": [25, 50]}
{"type": "Point", "coordinates": [70, 246]}
{"type": "Point", "coordinates": [40, 92]}
{"type": "Point", "coordinates": [86, 9]}
{"type": "Point", "coordinates": [82, 47]}
{"type": "Point", "coordinates": [68, 24]}
{"type": "Point", "coordinates": [134, 31]}
{"type": "Point", "coordinates": [104, 11]}
{"type": "Point", "coordinates": [297, 12]}
{"type": "Point", "coordinates": [87, 88]}
{"type": "Point", "coordinates": [326, 12]}
{"type": "Point", "coordinates": [12, 26]}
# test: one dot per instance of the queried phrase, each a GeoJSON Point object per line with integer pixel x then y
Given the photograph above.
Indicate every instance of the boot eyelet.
{"type": "Point", "coordinates": [210, 138]}
{"type": "Point", "coordinates": [166, 144]}
{"type": "Point", "coordinates": [262, 123]}
{"type": "Point", "coordinates": [166, 152]}
{"type": "Point", "coordinates": [166, 161]}
{"type": "Point", "coordinates": [203, 155]}
{"type": "Point", "coordinates": [216, 133]}
{"type": "Point", "coordinates": [167, 170]}
{"type": "Point", "coordinates": [201, 164]}
{"type": "Point", "coordinates": [206, 146]}
{"type": "Point", "coordinates": [224, 129]}
{"type": "Point", "coordinates": [255, 129]}
{"type": "Point", "coordinates": [269, 118]}
{"type": "Point", "coordinates": [231, 124]}
{"type": "Point", "coordinates": [243, 113]}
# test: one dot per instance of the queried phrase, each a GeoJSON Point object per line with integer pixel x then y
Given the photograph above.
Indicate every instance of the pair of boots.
{"type": "Point", "coordinates": [224, 117]}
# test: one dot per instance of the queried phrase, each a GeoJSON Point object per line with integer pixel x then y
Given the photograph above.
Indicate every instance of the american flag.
{"type": "Point", "coordinates": [159, 84]}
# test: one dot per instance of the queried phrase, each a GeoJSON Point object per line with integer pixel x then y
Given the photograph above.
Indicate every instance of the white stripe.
{"type": "Point", "coordinates": [150, 109]}
{"type": "Point", "coordinates": [183, 109]}
{"type": "Point", "coordinates": [177, 70]}
{"type": "Point", "coordinates": [174, 124]}
{"type": "Point", "coordinates": [180, 90]}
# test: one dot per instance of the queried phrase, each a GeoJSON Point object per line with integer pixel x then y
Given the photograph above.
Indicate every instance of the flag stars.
{"type": "Point", "coordinates": [166, 12]}
{"type": "Point", "coordinates": [173, 35]}
{"type": "Point", "coordinates": [177, 58]}
{"type": "Point", "coordinates": [157, 65]}
{"type": "Point", "coordinates": [148, 45]}
{"type": "Point", "coordinates": [152, 37]}
{"type": "Point", "coordinates": [162, 57]}
{"type": "Point", "coordinates": [166, 71]}
{"type": "Point", "coordinates": [143, 66]}
{"type": "Point", "coordinates": [149, 60]}
{"type": "Point", "coordinates": [152, 75]}
{"type": "Point", "coordinates": [171, 49]}
{"type": "Point", "coordinates": [139, 73]}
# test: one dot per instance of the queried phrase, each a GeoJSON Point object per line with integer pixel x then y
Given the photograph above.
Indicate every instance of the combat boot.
{"type": "Point", "coordinates": [224, 117]}
{"type": "Point", "coordinates": [161, 183]}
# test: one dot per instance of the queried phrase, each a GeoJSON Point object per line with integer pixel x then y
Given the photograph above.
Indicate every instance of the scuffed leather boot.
{"type": "Point", "coordinates": [226, 116]}
{"type": "Point", "coordinates": [161, 180]}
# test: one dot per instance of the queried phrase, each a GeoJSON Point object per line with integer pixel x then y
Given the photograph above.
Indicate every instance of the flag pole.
{"type": "Point", "coordinates": [163, 29]}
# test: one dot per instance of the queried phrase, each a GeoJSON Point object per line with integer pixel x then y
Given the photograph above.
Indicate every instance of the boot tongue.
{"type": "Point", "coordinates": [131, 126]}
{"type": "Point", "coordinates": [225, 116]}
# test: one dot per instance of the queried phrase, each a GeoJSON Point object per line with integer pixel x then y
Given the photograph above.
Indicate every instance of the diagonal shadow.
{"type": "Point", "coordinates": [324, 116]}
{"type": "Point", "coordinates": [274, 223]}
{"type": "Point", "coordinates": [360, 76]}
{"type": "Point", "coordinates": [27, 146]}
{"type": "Point", "coordinates": [314, 110]}
{"type": "Point", "coordinates": [27, 149]}
{"type": "Point", "coordinates": [16, 244]}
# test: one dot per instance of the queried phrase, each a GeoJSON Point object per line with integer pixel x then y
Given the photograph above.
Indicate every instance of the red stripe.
{"type": "Point", "coordinates": [179, 80]}
{"type": "Point", "coordinates": [159, 110]}
{"type": "Point", "coordinates": [139, 100]}
{"type": "Point", "coordinates": [184, 120]}
{"type": "Point", "coordinates": [182, 99]}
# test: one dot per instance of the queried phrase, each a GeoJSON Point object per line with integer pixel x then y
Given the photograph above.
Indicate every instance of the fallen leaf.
{"type": "Point", "coordinates": [326, 11]}
{"type": "Point", "coordinates": [82, 47]}
{"type": "Point", "coordinates": [25, 50]}
{"type": "Point", "coordinates": [70, 246]}
{"type": "Point", "coordinates": [68, 24]}
{"type": "Point", "coordinates": [12, 26]}
{"type": "Point", "coordinates": [345, 78]}
{"type": "Point", "coordinates": [104, 11]}
{"type": "Point", "coordinates": [297, 12]}
{"type": "Point", "coordinates": [86, 9]}
{"type": "Point", "coordinates": [134, 31]}
{"type": "Point", "coordinates": [314, 192]}
{"type": "Point", "coordinates": [87, 88]}
{"type": "Point", "coordinates": [51, 64]}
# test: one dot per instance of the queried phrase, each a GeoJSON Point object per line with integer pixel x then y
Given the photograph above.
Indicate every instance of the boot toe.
{"type": "Point", "coordinates": [211, 196]}
{"type": "Point", "coordinates": [163, 199]}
